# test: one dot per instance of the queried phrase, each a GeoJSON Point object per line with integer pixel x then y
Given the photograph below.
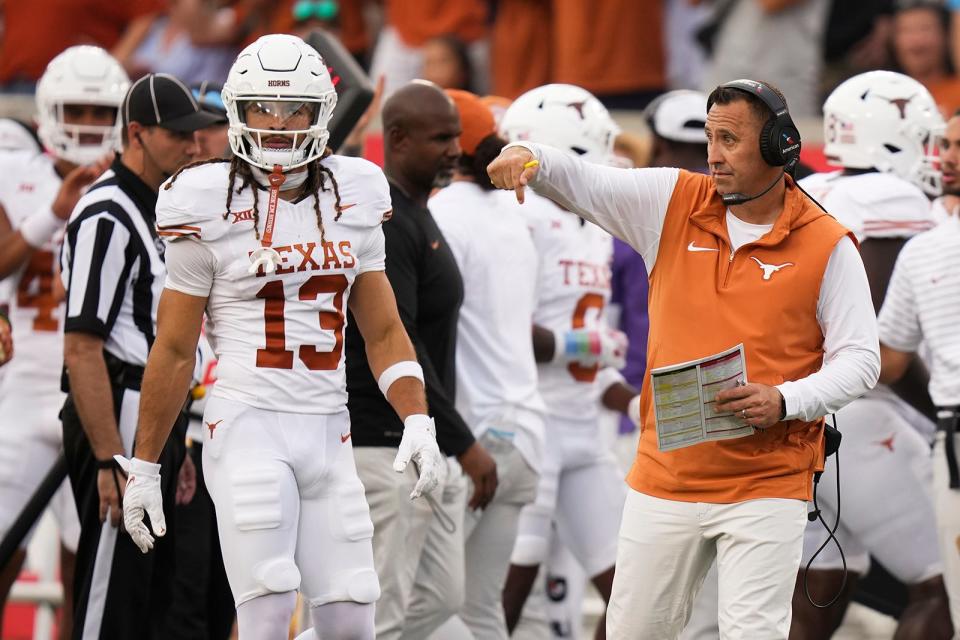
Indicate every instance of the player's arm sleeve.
{"type": "Point", "coordinates": [191, 267]}
{"type": "Point", "coordinates": [898, 323]}
{"type": "Point", "coordinates": [97, 272]}
{"type": "Point", "coordinates": [630, 204]}
{"type": "Point", "coordinates": [402, 248]}
{"type": "Point", "coordinates": [851, 359]}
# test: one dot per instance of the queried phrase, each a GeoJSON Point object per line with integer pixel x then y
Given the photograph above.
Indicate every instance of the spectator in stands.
{"type": "Point", "coordinates": [777, 40]}
{"type": "Point", "coordinates": [857, 39]}
{"type": "Point", "coordinates": [240, 22]}
{"type": "Point", "coordinates": [166, 47]}
{"type": "Point", "coordinates": [36, 31]}
{"type": "Point", "coordinates": [920, 50]}
{"type": "Point", "coordinates": [399, 53]}
{"type": "Point", "coordinates": [446, 63]}
{"type": "Point", "coordinates": [613, 50]}
{"type": "Point", "coordinates": [519, 34]}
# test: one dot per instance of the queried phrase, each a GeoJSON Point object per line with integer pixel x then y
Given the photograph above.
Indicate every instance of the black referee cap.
{"type": "Point", "coordinates": [160, 100]}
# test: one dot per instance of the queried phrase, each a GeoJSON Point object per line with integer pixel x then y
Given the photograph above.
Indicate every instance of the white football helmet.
{"type": "Point", "coordinates": [885, 121]}
{"type": "Point", "coordinates": [279, 74]}
{"type": "Point", "coordinates": [80, 75]}
{"type": "Point", "coordinates": [563, 116]}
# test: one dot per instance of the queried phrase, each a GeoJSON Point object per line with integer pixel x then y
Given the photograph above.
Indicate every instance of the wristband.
{"type": "Point", "coordinates": [576, 344]}
{"type": "Point", "coordinates": [402, 369]}
{"type": "Point", "coordinates": [633, 410]}
{"type": "Point", "coordinates": [38, 229]}
{"type": "Point", "coordinates": [109, 463]}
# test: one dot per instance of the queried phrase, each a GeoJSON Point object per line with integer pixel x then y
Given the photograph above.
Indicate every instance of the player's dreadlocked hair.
{"type": "Point", "coordinates": [316, 174]}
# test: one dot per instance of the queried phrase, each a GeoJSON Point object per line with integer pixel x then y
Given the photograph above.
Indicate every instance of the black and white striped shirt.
{"type": "Point", "coordinates": [112, 264]}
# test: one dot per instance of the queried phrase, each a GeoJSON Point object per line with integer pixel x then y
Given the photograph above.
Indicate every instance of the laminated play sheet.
{"type": "Point", "coordinates": [684, 398]}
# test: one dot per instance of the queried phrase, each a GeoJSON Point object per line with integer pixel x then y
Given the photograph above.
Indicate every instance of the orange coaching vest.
{"type": "Point", "coordinates": [703, 302]}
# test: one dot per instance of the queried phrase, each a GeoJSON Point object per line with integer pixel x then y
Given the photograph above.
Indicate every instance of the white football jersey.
{"type": "Point", "coordinates": [278, 337]}
{"type": "Point", "coordinates": [876, 205]}
{"type": "Point", "coordinates": [29, 186]}
{"type": "Point", "coordinates": [573, 289]}
{"type": "Point", "coordinates": [872, 205]}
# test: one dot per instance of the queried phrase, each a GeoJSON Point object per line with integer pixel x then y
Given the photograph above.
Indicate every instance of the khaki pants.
{"type": "Point", "coordinates": [947, 503]}
{"type": "Point", "coordinates": [489, 540]}
{"type": "Point", "coordinates": [667, 546]}
{"type": "Point", "coordinates": [400, 527]}
{"type": "Point", "coordinates": [438, 591]}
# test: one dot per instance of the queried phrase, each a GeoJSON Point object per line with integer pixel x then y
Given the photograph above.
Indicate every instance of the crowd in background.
{"type": "Point", "coordinates": [624, 51]}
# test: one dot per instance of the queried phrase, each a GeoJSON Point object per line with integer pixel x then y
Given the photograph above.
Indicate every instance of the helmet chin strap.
{"type": "Point", "coordinates": [291, 180]}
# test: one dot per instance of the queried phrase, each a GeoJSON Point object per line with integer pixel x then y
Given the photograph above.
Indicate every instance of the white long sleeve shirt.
{"type": "Point", "coordinates": [496, 370]}
{"type": "Point", "coordinates": [632, 204]}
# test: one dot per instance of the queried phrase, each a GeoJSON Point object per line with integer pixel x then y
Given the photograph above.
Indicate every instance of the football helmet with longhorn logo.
{"type": "Point", "coordinates": [81, 75]}
{"type": "Point", "coordinates": [563, 116]}
{"type": "Point", "coordinates": [283, 77]}
{"type": "Point", "coordinates": [885, 121]}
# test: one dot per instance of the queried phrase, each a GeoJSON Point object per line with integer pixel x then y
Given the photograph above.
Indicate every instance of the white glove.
{"type": "Point", "coordinates": [419, 443]}
{"type": "Point", "coordinates": [605, 346]}
{"type": "Point", "coordinates": [142, 494]}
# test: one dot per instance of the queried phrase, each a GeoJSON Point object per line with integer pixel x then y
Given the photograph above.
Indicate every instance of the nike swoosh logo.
{"type": "Point", "coordinates": [344, 207]}
{"type": "Point", "coordinates": [693, 247]}
{"type": "Point", "coordinates": [346, 436]}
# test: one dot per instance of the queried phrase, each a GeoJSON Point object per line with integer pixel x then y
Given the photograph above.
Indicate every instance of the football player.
{"type": "Point", "coordinates": [581, 486]}
{"type": "Point", "coordinates": [78, 103]}
{"type": "Point", "coordinates": [274, 245]}
{"type": "Point", "coordinates": [882, 129]}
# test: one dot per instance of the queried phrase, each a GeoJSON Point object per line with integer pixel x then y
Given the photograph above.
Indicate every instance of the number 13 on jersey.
{"type": "Point", "coordinates": [277, 354]}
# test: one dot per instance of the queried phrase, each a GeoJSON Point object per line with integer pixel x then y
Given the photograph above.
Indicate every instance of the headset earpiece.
{"type": "Point", "coordinates": [779, 137]}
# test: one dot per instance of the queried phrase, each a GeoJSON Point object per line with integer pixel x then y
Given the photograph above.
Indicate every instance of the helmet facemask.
{"type": "Point", "coordinates": [299, 121]}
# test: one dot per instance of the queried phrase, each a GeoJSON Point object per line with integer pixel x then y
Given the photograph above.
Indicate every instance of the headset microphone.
{"type": "Point", "coordinates": [732, 199]}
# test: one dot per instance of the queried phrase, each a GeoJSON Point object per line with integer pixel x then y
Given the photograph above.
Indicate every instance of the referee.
{"type": "Point", "coordinates": [113, 272]}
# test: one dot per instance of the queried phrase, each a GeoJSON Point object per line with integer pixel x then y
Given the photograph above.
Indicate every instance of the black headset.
{"type": "Point", "coordinates": [779, 138]}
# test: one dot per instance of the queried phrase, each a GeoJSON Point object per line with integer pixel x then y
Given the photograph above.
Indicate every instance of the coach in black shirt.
{"type": "Point", "coordinates": [421, 127]}
{"type": "Point", "coordinates": [113, 271]}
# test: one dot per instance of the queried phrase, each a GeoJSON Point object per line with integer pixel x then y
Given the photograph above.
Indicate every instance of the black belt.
{"type": "Point", "coordinates": [122, 374]}
{"type": "Point", "coordinates": [947, 419]}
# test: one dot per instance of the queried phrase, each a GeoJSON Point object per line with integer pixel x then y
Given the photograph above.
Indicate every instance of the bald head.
{"type": "Point", "coordinates": [415, 104]}
{"type": "Point", "coordinates": [421, 128]}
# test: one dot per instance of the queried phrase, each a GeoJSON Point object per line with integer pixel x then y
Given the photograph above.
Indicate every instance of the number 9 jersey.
{"type": "Point", "coordinates": [278, 336]}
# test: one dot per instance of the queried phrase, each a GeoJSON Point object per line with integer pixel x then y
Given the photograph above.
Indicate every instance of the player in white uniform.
{"type": "Point", "coordinates": [881, 128]}
{"type": "Point", "coordinates": [78, 100]}
{"type": "Point", "coordinates": [581, 486]}
{"type": "Point", "coordinates": [275, 270]}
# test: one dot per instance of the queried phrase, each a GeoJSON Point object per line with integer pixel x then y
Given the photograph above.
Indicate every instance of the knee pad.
{"type": "Point", "coordinates": [363, 586]}
{"type": "Point", "coordinates": [529, 550]}
{"type": "Point", "coordinates": [277, 575]}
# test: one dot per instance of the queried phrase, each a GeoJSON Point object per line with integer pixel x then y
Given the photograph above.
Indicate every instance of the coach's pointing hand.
{"type": "Point", "coordinates": [513, 169]}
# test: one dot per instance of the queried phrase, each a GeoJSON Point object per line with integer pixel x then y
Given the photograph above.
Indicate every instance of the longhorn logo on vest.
{"type": "Point", "coordinates": [770, 269]}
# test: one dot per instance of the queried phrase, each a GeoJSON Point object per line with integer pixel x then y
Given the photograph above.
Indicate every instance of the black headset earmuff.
{"type": "Point", "coordinates": [779, 138]}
